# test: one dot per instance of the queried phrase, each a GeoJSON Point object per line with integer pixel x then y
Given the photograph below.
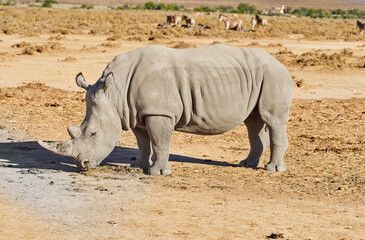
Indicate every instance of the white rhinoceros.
{"type": "Point", "coordinates": [155, 90]}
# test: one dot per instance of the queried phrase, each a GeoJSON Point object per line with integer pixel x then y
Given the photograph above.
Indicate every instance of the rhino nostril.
{"type": "Point", "coordinates": [85, 165]}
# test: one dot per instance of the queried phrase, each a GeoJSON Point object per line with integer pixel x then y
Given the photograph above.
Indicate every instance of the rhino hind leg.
{"type": "Point", "coordinates": [144, 146]}
{"type": "Point", "coordinates": [259, 140]}
{"type": "Point", "coordinates": [160, 130]}
{"type": "Point", "coordinates": [278, 146]}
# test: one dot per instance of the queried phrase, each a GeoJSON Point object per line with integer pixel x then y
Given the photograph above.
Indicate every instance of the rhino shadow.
{"type": "Point", "coordinates": [30, 155]}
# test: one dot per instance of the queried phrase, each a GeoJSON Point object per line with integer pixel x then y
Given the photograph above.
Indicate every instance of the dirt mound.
{"type": "Point", "coordinates": [69, 59]}
{"type": "Point", "coordinates": [319, 58]}
{"type": "Point", "coordinates": [181, 45]}
{"type": "Point", "coordinates": [31, 48]}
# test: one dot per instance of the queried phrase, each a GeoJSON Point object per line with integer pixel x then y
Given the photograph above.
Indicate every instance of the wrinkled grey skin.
{"type": "Point", "coordinates": [155, 90]}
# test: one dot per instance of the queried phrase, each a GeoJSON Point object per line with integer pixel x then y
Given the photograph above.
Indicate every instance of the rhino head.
{"type": "Point", "coordinates": [98, 134]}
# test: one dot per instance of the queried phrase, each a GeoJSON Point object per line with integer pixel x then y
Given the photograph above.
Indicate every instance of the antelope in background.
{"type": "Point", "coordinates": [361, 26]}
{"type": "Point", "coordinates": [260, 21]}
{"type": "Point", "coordinates": [230, 23]}
{"type": "Point", "coordinates": [172, 19]}
{"type": "Point", "coordinates": [188, 21]}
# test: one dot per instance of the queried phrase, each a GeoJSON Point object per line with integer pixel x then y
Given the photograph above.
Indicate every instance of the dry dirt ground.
{"type": "Point", "coordinates": [44, 196]}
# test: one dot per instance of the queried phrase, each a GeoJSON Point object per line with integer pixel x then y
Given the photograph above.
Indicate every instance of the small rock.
{"type": "Point", "coordinates": [113, 223]}
{"type": "Point", "coordinates": [276, 236]}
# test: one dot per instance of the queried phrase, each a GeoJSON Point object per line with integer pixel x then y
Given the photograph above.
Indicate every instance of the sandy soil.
{"type": "Point", "coordinates": [44, 196]}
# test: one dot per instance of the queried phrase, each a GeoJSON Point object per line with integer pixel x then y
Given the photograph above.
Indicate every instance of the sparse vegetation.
{"type": "Point", "coordinates": [243, 8]}
{"type": "Point", "coordinates": [246, 8]}
{"type": "Point", "coordinates": [124, 7]}
{"type": "Point", "coordinates": [48, 3]}
{"type": "Point", "coordinates": [84, 6]}
{"type": "Point", "coordinates": [8, 3]}
{"type": "Point", "coordinates": [162, 6]}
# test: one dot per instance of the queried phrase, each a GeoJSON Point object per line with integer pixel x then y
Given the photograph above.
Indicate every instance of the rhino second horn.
{"type": "Point", "coordinates": [61, 148]}
{"type": "Point", "coordinates": [74, 131]}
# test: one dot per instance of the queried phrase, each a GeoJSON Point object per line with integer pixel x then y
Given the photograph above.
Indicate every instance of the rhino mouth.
{"type": "Point", "coordinates": [83, 164]}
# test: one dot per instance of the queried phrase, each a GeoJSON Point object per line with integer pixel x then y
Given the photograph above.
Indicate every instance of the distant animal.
{"type": "Point", "coordinates": [260, 21]}
{"type": "Point", "coordinates": [160, 26]}
{"type": "Point", "coordinates": [230, 23]}
{"type": "Point", "coordinates": [172, 19]}
{"type": "Point", "coordinates": [282, 9]}
{"type": "Point", "coordinates": [156, 90]}
{"type": "Point", "coordinates": [361, 26]}
{"type": "Point", "coordinates": [253, 23]}
{"type": "Point", "coordinates": [201, 27]}
{"type": "Point", "coordinates": [188, 21]}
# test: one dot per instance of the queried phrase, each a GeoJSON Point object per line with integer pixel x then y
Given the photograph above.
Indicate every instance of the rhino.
{"type": "Point", "coordinates": [155, 90]}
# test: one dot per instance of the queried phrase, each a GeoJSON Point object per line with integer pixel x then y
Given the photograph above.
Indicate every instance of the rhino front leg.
{"type": "Point", "coordinates": [278, 146]}
{"type": "Point", "coordinates": [258, 135]}
{"type": "Point", "coordinates": [144, 146]}
{"type": "Point", "coordinates": [160, 130]}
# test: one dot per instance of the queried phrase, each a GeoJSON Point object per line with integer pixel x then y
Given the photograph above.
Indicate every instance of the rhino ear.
{"type": "Point", "coordinates": [108, 82]}
{"type": "Point", "coordinates": [80, 81]}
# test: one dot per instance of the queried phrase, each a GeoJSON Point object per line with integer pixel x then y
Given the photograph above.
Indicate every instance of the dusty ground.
{"type": "Point", "coordinates": [320, 196]}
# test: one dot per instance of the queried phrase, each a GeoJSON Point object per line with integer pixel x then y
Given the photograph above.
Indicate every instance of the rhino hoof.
{"type": "Point", "coordinates": [155, 171]}
{"type": "Point", "coordinates": [140, 165]}
{"type": "Point", "coordinates": [248, 163]}
{"type": "Point", "coordinates": [271, 168]}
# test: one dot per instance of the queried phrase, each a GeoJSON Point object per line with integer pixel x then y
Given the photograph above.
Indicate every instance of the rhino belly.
{"type": "Point", "coordinates": [216, 105]}
{"type": "Point", "coordinates": [211, 126]}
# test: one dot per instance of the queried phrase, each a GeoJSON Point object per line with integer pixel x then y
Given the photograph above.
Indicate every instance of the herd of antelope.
{"type": "Point", "coordinates": [230, 23]}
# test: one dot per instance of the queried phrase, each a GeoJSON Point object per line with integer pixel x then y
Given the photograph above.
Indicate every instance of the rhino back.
{"type": "Point", "coordinates": [206, 90]}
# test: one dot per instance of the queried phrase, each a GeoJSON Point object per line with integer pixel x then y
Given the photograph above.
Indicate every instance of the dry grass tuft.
{"type": "Point", "coordinates": [182, 45]}
{"type": "Point", "coordinates": [31, 48]}
{"type": "Point", "coordinates": [319, 58]}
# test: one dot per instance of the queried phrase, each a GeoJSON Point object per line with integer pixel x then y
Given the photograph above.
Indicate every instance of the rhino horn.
{"type": "Point", "coordinates": [74, 131]}
{"type": "Point", "coordinates": [61, 148]}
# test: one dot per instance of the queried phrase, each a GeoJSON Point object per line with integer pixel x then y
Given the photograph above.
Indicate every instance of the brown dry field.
{"type": "Point", "coordinates": [320, 196]}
